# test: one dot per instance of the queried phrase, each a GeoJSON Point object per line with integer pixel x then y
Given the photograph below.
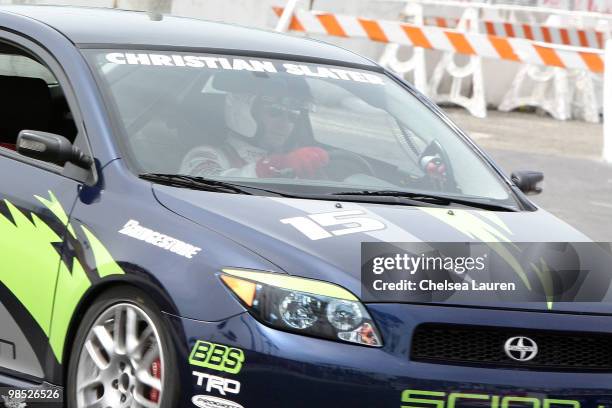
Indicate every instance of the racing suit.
{"type": "Point", "coordinates": [238, 158]}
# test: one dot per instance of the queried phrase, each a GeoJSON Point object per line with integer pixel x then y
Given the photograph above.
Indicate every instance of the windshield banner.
{"type": "Point", "coordinates": [229, 63]}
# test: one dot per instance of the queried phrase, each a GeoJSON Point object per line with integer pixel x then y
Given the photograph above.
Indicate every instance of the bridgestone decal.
{"type": "Point", "coordinates": [133, 229]}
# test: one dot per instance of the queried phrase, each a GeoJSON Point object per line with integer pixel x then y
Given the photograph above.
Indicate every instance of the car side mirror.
{"type": "Point", "coordinates": [51, 148]}
{"type": "Point", "coordinates": [529, 182]}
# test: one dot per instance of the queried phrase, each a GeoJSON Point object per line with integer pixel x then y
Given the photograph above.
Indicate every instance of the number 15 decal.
{"type": "Point", "coordinates": [350, 221]}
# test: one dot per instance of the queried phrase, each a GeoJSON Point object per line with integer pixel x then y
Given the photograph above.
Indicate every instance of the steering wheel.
{"type": "Point", "coordinates": [436, 166]}
{"type": "Point", "coordinates": [343, 164]}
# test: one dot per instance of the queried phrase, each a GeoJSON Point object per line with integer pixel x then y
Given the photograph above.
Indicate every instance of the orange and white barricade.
{"type": "Point", "coordinates": [475, 102]}
{"type": "Point", "coordinates": [563, 93]}
{"type": "Point", "coordinates": [414, 65]}
{"type": "Point", "coordinates": [472, 44]}
{"type": "Point", "coordinates": [574, 36]}
{"type": "Point", "coordinates": [446, 39]}
{"type": "Point", "coordinates": [472, 71]}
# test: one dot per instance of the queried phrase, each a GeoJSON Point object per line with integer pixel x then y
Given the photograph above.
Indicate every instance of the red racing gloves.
{"type": "Point", "coordinates": [304, 162]}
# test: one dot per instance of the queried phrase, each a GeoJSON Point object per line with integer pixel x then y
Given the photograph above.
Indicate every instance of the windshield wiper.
{"type": "Point", "coordinates": [206, 184]}
{"type": "Point", "coordinates": [430, 199]}
{"type": "Point", "coordinates": [203, 183]}
{"type": "Point", "coordinates": [372, 196]}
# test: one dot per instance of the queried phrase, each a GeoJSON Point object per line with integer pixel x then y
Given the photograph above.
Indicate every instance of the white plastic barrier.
{"type": "Point", "coordinates": [414, 65]}
{"type": "Point", "coordinates": [285, 18]}
{"type": "Point", "coordinates": [563, 93]}
{"type": "Point", "coordinates": [475, 101]}
{"type": "Point", "coordinates": [543, 87]}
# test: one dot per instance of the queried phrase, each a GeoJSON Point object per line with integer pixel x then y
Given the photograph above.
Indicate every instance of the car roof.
{"type": "Point", "coordinates": [90, 27]}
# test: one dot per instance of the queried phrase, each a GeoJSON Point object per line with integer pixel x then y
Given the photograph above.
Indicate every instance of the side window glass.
{"type": "Point", "coordinates": [30, 98]}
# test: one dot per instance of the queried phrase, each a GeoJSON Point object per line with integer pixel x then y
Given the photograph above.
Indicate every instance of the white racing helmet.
{"type": "Point", "coordinates": [238, 114]}
{"type": "Point", "coordinates": [241, 109]}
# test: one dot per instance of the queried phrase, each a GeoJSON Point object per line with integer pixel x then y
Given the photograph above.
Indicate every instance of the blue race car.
{"type": "Point", "coordinates": [183, 205]}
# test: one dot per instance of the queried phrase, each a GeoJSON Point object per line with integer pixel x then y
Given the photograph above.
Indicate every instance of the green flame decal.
{"type": "Point", "coordinates": [32, 278]}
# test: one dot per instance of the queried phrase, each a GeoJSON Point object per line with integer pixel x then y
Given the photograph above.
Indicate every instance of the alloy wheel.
{"type": "Point", "coordinates": [121, 364]}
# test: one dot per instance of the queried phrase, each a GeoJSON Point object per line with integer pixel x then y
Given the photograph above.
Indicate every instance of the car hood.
{"type": "Point", "coordinates": [332, 252]}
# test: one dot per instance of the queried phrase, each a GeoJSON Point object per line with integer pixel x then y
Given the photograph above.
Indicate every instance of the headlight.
{"type": "Point", "coordinates": [304, 306]}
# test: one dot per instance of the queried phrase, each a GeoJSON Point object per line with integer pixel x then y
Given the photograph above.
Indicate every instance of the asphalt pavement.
{"type": "Point", "coordinates": [577, 183]}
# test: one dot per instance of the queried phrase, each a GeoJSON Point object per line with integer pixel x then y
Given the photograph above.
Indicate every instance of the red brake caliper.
{"type": "Point", "coordinates": [155, 372]}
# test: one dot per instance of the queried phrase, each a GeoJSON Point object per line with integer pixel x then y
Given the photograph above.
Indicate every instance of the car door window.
{"type": "Point", "coordinates": [31, 99]}
{"type": "Point", "coordinates": [35, 206]}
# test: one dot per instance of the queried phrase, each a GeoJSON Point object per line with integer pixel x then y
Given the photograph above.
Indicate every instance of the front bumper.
{"type": "Point", "coordinates": [287, 370]}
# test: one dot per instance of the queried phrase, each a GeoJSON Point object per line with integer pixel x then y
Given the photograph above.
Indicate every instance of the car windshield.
{"type": "Point", "coordinates": [286, 125]}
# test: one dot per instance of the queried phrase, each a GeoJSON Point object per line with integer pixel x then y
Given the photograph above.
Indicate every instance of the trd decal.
{"type": "Point", "coordinates": [319, 226]}
{"type": "Point", "coordinates": [219, 384]}
{"type": "Point", "coordinates": [217, 357]}
{"type": "Point", "coordinates": [133, 229]}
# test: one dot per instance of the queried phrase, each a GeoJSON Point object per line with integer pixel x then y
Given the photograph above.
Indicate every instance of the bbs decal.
{"type": "Point", "coordinates": [216, 357]}
{"type": "Point", "coordinates": [336, 223]}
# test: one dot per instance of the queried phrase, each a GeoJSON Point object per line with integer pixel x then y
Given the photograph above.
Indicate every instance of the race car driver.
{"type": "Point", "coordinates": [259, 142]}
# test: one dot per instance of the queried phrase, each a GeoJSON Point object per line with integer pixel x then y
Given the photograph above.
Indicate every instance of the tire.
{"type": "Point", "coordinates": [126, 371]}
